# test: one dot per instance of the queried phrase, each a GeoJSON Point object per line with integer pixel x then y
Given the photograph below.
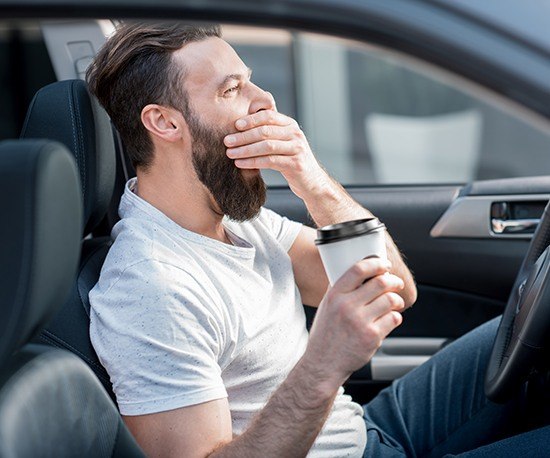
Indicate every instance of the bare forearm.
{"type": "Point", "coordinates": [290, 421]}
{"type": "Point", "coordinates": [329, 203]}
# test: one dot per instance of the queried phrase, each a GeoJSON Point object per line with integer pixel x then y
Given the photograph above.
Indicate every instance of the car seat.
{"type": "Point", "coordinates": [51, 404]}
{"type": "Point", "coordinates": [64, 111]}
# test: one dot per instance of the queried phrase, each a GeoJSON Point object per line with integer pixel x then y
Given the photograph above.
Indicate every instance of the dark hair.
{"type": "Point", "coordinates": [135, 68]}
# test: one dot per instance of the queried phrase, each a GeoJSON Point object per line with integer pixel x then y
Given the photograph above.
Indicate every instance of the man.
{"type": "Point", "coordinates": [198, 316]}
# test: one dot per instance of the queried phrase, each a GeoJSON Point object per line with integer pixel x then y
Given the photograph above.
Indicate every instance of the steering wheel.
{"type": "Point", "coordinates": [524, 332]}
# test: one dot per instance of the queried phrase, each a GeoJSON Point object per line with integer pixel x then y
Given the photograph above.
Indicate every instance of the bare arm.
{"type": "Point", "coordinates": [273, 140]}
{"type": "Point", "coordinates": [309, 272]}
{"type": "Point", "coordinates": [353, 319]}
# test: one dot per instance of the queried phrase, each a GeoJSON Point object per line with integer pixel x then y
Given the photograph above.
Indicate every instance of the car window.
{"type": "Point", "coordinates": [25, 67]}
{"type": "Point", "coordinates": [374, 117]}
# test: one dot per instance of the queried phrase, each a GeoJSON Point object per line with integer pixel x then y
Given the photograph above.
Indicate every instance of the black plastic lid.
{"type": "Point", "coordinates": [346, 230]}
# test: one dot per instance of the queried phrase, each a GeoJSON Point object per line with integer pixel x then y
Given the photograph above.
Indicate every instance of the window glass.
{"type": "Point", "coordinates": [375, 118]}
{"type": "Point", "coordinates": [25, 67]}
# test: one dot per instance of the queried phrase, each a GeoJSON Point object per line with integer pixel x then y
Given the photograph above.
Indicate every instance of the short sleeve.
{"type": "Point", "coordinates": [159, 335]}
{"type": "Point", "coordinates": [282, 228]}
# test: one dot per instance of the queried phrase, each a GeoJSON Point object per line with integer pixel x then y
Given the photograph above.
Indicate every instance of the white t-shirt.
{"type": "Point", "coordinates": [178, 319]}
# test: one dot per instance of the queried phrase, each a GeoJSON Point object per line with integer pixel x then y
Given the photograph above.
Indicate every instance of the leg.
{"type": "Point", "coordinates": [440, 407]}
{"type": "Point", "coordinates": [533, 444]}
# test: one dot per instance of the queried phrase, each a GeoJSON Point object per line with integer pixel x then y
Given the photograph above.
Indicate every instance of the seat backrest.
{"type": "Point", "coordinates": [64, 111]}
{"type": "Point", "coordinates": [34, 205]}
{"type": "Point", "coordinates": [51, 404]}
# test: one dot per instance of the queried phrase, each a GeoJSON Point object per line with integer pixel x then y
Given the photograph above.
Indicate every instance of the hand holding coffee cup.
{"type": "Point", "coordinates": [342, 245]}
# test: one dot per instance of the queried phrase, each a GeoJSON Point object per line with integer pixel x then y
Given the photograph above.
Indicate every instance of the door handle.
{"type": "Point", "coordinates": [514, 226]}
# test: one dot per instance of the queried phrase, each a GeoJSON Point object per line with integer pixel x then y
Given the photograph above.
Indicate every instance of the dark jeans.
{"type": "Point", "coordinates": [440, 409]}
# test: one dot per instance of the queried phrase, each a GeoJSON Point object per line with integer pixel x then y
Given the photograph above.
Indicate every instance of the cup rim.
{"type": "Point", "coordinates": [347, 230]}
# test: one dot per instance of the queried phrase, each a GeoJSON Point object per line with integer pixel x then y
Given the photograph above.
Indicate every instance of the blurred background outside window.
{"type": "Point", "coordinates": [373, 118]}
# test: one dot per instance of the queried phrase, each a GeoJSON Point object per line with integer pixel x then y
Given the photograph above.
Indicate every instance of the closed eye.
{"type": "Point", "coordinates": [231, 89]}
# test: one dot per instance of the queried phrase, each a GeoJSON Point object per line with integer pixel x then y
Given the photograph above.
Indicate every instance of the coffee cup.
{"type": "Point", "coordinates": [342, 245]}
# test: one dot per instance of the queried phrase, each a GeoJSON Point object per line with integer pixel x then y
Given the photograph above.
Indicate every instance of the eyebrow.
{"type": "Point", "coordinates": [235, 76]}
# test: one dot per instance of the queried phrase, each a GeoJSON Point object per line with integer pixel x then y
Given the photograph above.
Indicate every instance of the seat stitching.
{"type": "Point", "coordinates": [76, 132]}
{"type": "Point", "coordinates": [81, 138]}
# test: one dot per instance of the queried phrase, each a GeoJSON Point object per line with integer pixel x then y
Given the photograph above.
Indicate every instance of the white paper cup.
{"type": "Point", "coordinates": [342, 245]}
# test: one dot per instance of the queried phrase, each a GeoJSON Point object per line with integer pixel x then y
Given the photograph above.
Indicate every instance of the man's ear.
{"type": "Point", "coordinates": [164, 123]}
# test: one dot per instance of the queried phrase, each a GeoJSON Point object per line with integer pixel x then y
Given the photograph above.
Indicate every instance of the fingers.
{"type": "Point", "coordinates": [370, 286]}
{"type": "Point", "coordinates": [264, 117]}
{"type": "Point", "coordinates": [277, 145]}
{"type": "Point", "coordinates": [272, 161]}
{"type": "Point", "coordinates": [361, 271]}
{"type": "Point", "coordinates": [376, 286]}
{"type": "Point", "coordinates": [382, 316]}
{"type": "Point", "coordinates": [382, 305]}
{"type": "Point", "coordinates": [388, 322]}
{"type": "Point", "coordinates": [257, 134]}
{"type": "Point", "coordinates": [273, 154]}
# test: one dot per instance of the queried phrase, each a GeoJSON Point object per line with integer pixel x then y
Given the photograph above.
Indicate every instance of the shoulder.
{"type": "Point", "coordinates": [280, 228]}
{"type": "Point", "coordinates": [145, 266]}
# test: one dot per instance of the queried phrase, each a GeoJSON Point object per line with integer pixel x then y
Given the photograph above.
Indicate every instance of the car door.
{"type": "Point", "coordinates": [452, 175]}
{"type": "Point", "coordinates": [433, 161]}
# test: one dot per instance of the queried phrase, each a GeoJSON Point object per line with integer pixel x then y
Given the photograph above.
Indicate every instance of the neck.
{"type": "Point", "coordinates": [177, 192]}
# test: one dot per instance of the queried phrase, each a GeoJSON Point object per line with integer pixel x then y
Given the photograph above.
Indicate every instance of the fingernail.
{"type": "Point", "coordinates": [240, 123]}
{"type": "Point", "coordinates": [230, 139]}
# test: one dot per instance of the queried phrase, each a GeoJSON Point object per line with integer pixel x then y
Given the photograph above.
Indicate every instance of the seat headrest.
{"type": "Point", "coordinates": [41, 229]}
{"type": "Point", "coordinates": [65, 112]}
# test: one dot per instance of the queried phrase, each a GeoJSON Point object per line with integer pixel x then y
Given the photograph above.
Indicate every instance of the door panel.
{"type": "Point", "coordinates": [462, 281]}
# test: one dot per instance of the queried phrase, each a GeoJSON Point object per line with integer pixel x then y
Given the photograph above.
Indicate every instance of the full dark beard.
{"type": "Point", "coordinates": [238, 198]}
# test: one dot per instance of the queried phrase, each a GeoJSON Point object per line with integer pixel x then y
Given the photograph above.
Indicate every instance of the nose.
{"type": "Point", "coordinates": [262, 100]}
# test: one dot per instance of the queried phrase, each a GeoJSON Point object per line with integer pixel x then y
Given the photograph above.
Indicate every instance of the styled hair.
{"type": "Point", "coordinates": [135, 68]}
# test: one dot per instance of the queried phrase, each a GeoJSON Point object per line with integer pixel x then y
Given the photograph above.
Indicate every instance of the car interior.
{"type": "Point", "coordinates": [50, 400]}
{"type": "Point", "coordinates": [464, 242]}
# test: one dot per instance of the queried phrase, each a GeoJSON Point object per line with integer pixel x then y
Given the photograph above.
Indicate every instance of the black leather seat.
{"type": "Point", "coordinates": [51, 404]}
{"type": "Point", "coordinates": [64, 111]}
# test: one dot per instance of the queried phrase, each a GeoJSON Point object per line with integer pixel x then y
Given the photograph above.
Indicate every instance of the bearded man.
{"type": "Point", "coordinates": [198, 315]}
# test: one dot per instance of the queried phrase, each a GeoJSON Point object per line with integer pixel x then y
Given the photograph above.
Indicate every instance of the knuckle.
{"type": "Point", "coordinates": [358, 270]}
{"type": "Point", "coordinates": [336, 299]}
{"type": "Point", "coordinates": [265, 131]}
{"type": "Point", "coordinates": [296, 164]}
{"type": "Point", "coordinates": [395, 300]}
{"type": "Point", "coordinates": [397, 318]}
{"type": "Point", "coordinates": [300, 149]}
{"type": "Point", "coordinates": [298, 134]}
{"type": "Point", "coordinates": [381, 282]}
{"type": "Point", "coordinates": [331, 296]}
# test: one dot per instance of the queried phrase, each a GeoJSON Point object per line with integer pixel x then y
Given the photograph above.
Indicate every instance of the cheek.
{"type": "Point", "coordinates": [236, 109]}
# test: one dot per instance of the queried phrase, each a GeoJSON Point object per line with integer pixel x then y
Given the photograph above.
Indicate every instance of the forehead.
{"type": "Point", "coordinates": [208, 62]}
